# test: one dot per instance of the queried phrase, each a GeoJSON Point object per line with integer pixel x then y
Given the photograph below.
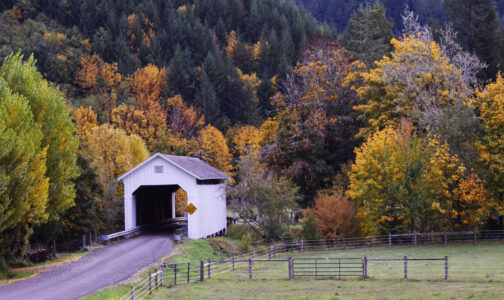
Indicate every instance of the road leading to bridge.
{"type": "Point", "coordinates": [104, 267]}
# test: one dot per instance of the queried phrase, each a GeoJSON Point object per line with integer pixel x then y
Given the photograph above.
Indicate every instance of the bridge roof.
{"type": "Point", "coordinates": [191, 165]}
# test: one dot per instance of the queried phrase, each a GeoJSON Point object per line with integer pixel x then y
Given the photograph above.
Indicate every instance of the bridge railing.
{"type": "Point", "coordinates": [105, 238]}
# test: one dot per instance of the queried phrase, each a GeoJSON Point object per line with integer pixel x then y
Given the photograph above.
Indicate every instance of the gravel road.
{"type": "Point", "coordinates": [104, 267]}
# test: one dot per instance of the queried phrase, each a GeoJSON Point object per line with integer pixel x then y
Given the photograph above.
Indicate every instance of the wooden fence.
{"type": "Point", "coordinates": [191, 272]}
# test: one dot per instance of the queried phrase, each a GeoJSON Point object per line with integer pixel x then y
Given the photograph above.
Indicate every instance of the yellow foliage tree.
{"type": "Point", "coordinates": [147, 85]}
{"type": "Point", "coordinates": [85, 120]}
{"type": "Point", "coordinates": [246, 140]}
{"type": "Point", "coordinates": [401, 182]}
{"type": "Point", "coordinates": [490, 102]}
{"type": "Point", "coordinates": [213, 148]}
{"type": "Point", "coordinates": [415, 82]}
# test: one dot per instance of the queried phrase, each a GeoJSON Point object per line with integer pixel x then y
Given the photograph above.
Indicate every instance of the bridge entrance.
{"type": "Point", "coordinates": [158, 204]}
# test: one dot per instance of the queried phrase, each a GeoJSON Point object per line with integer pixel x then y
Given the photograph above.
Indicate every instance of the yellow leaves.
{"type": "Point", "coordinates": [85, 120]}
{"type": "Point", "coordinates": [231, 42]}
{"type": "Point", "coordinates": [87, 74]}
{"type": "Point", "coordinates": [147, 84]}
{"type": "Point", "coordinates": [214, 150]}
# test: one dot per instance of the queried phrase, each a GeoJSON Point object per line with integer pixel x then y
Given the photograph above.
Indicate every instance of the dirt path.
{"type": "Point", "coordinates": [104, 267]}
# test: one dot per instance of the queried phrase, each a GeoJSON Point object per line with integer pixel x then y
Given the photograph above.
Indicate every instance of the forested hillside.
{"type": "Point", "coordinates": [219, 55]}
{"type": "Point", "coordinates": [388, 120]}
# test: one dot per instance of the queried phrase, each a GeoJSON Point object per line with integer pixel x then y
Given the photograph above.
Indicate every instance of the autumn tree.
{"type": "Point", "coordinates": [418, 81]}
{"type": "Point", "coordinates": [148, 83]}
{"type": "Point", "coordinates": [184, 121]}
{"type": "Point", "coordinates": [112, 153]}
{"type": "Point", "coordinates": [315, 123]}
{"type": "Point", "coordinates": [490, 101]}
{"type": "Point", "coordinates": [85, 120]}
{"type": "Point", "coordinates": [211, 146]}
{"type": "Point", "coordinates": [404, 182]}
{"type": "Point", "coordinates": [245, 140]}
{"type": "Point", "coordinates": [335, 215]}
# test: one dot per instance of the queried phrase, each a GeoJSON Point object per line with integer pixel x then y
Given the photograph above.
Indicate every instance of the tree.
{"type": "Point", "coordinates": [24, 187]}
{"type": "Point", "coordinates": [315, 123]}
{"type": "Point", "coordinates": [211, 146]}
{"type": "Point", "coordinates": [335, 215]}
{"type": "Point", "coordinates": [147, 85]}
{"type": "Point", "coordinates": [184, 121]}
{"type": "Point", "coordinates": [418, 81]}
{"type": "Point", "coordinates": [369, 33]}
{"type": "Point", "coordinates": [263, 199]}
{"type": "Point", "coordinates": [477, 24]}
{"type": "Point", "coordinates": [246, 139]}
{"type": "Point", "coordinates": [490, 101]}
{"type": "Point", "coordinates": [401, 181]}
{"type": "Point", "coordinates": [311, 231]}
{"type": "Point", "coordinates": [112, 153]}
{"type": "Point", "coordinates": [47, 104]}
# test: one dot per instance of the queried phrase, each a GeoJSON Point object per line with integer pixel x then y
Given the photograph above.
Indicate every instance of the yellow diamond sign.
{"type": "Point", "coordinates": [190, 208]}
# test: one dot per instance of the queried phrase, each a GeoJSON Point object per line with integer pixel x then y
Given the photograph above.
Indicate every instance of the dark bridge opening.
{"type": "Point", "coordinates": [154, 204]}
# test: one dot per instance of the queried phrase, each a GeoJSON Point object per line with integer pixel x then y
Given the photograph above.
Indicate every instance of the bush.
{"type": "Point", "coordinates": [237, 231]}
{"type": "Point", "coordinates": [311, 230]}
{"type": "Point", "coordinates": [225, 245]}
{"type": "Point", "coordinates": [246, 243]}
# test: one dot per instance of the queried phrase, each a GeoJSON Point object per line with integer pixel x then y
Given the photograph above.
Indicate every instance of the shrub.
{"type": "Point", "coordinates": [311, 230]}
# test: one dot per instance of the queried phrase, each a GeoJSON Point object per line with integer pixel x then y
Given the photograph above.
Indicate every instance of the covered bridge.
{"type": "Point", "coordinates": [149, 194]}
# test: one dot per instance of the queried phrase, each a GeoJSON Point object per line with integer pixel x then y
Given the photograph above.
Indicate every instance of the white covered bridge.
{"type": "Point", "coordinates": [149, 194]}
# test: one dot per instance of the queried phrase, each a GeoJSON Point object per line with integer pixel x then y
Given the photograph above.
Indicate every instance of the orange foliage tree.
{"type": "Point", "coordinates": [184, 121]}
{"type": "Point", "coordinates": [334, 214]}
{"type": "Point", "coordinates": [148, 83]}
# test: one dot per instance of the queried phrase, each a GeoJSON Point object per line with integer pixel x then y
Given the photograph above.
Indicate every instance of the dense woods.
{"type": "Point", "coordinates": [357, 117]}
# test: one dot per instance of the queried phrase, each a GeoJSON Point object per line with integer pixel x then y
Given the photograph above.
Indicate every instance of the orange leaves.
{"type": "Point", "coordinates": [85, 120]}
{"type": "Point", "coordinates": [246, 139]}
{"type": "Point", "coordinates": [148, 84]}
{"type": "Point", "coordinates": [334, 214]}
{"type": "Point", "coordinates": [87, 74]}
{"type": "Point", "coordinates": [145, 33]}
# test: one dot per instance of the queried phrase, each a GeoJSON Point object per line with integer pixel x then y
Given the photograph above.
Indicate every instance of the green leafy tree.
{"type": "Point", "coordinates": [263, 199]}
{"type": "Point", "coordinates": [47, 104]}
{"type": "Point", "coordinates": [24, 187]}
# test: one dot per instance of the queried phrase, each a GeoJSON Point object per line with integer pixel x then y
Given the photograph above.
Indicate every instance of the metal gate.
{"type": "Point", "coordinates": [327, 267]}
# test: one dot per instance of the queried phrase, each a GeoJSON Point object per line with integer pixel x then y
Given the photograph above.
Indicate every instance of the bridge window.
{"type": "Point", "coordinates": [158, 169]}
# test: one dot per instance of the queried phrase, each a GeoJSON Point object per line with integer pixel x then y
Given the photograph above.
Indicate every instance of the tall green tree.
{"type": "Point", "coordinates": [24, 187]}
{"type": "Point", "coordinates": [477, 24]}
{"type": "Point", "coordinates": [369, 32]}
{"type": "Point", "coordinates": [47, 104]}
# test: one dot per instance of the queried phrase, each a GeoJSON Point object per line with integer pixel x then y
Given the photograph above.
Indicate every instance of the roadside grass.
{"type": "Point", "coordinates": [33, 269]}
{"type": "Point", "coordinates": [475, 271]}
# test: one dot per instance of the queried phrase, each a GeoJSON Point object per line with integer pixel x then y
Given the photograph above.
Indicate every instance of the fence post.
{"type": "Point", "coordinates": [269, 252]}
{"type": "Point", "coordinates": [290, 267]}
{"type": "Point", "coordinates": [302, 246]}
{"type": "Point", "coordinates": [202, 270]}
{"type": "Point", "coordinates": [188, 268]}
{"type": "Point", "coordinates": [150, 282]}
{"type": "Point", "coordinates": [162, 276]}
{"type": "Point", "coordinates": [155, 279]}
{"type": "Point", "coordinates": [175, 274]}
{"type": "Point", "coordinates": [132, 293]}
{"type": "Point", "coordinates": [475, 236]}
{"type": "Point", "coordinates": [83, 241]}
{"type": "Point", "coordinates": [365, 267]}
{"type": "Point", "coordinates": [209, 272]}
{"type": "Point", "coordinates": [233, 261]}
{"type": "Point", "coordinates": [405, 267]}
{"type": "Point", "coordinates": [390, 239]}
{"type": "Point", "coordinates": [446, 267]}
{"type": "Point", "coordinates": [445, 238]}
{"type": "Point", "coordinates": [274, 249]}
{"type": "Point", "coordinates": [250, 268]}
{"type": "Point", "coordinates": [54, 248]}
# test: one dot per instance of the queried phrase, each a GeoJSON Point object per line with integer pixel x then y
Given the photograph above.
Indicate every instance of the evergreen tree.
{"type": "Point", "coordinates": [368, 33]}
{"type": "Point", "coordinates": [207, 100]}
{"type": "Point", "coordinates": [477, 25]}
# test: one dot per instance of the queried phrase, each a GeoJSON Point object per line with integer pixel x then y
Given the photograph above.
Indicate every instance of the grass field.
{"type": "Point", "coordinates": [475, 271]}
